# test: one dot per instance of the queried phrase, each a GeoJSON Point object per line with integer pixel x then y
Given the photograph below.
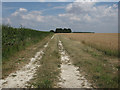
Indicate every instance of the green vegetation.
{"type": "Point", "coordinates": [101, 70]}
{"type": "Point", "coordinates": [52, 31]}
{"type": "Point", "coordinates": [16, 39]}
{"type": "Point", "coordinates": [21, 58]}
{"type": "Point", "coordinates": [48, 72]}
{"type": "Point", "coordinates": [65, 30]}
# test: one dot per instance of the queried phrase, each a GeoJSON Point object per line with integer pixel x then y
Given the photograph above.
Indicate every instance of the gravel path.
{"type": "Point", "coordinates": [20, 78]}
{"type": "Point", "coordinates": [70, 77]}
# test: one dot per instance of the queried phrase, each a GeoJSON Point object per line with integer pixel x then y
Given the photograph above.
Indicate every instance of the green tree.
{"type": "Point", "coordinates": [52, 31]}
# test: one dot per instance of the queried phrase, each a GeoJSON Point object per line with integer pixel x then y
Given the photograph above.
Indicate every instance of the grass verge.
{"type": "Point", "coordinates": [99, 69]}
{"type": "Point", "coordinates": [48, 72]}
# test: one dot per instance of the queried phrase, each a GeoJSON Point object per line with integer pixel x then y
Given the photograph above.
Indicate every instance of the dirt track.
{"type": "Point", "coordinates": [72, 64]}
{"type": "Point", "coordinates": [70, 77]}
{"type": "Point", "coordinates": [64, 63]}
{"type": "Point", "coordinates": [20, 78]}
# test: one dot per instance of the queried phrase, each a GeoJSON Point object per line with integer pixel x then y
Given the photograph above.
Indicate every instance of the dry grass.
{"type": "Point", "coordinates": [106, 42]}
{"type": "Point", "coordinates": [47, 74]}
{"type": "Point", "coordinates": [100, 69]}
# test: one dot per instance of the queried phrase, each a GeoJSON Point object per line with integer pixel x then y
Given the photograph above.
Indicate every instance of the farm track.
{"type": "Point", "coordinates": [70, 77]}
{"type": "Point", "coordinates": [72, 68]}
{"type": "Point", "coordinates": [99, 69]}
{"type": "Point", "coordinates": [20, 78]}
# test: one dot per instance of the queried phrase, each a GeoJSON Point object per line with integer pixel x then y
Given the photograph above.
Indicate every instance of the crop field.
{"type": "Point", "coordinates": [106, 42]}
{"type": "Point", "coordinates": [59, 60]}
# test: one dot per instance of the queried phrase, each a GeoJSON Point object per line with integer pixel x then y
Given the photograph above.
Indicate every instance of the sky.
{"type": "Point", "coordinates": [59, 0]}
{"type": "Point", "coordinates": [99, 17]}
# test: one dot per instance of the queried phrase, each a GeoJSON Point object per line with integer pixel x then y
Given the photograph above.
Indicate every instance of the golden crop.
{"type": "Point", "coordinates": [101, 41]}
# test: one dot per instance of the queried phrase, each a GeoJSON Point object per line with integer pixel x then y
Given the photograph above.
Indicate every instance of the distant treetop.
{"type": "Point", "coordinates": [65, 30]}
{"type": "Point", "coordinates": [52, 31]}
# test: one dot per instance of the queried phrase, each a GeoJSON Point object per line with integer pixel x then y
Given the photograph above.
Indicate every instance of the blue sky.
{"type": "Point", "coordinates": [46, 7]}
{"type": "Point", "coordinates": [81, 16]}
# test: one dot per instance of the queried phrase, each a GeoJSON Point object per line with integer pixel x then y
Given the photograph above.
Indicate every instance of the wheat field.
{"type": "Point", "coordinates": [106, 42]}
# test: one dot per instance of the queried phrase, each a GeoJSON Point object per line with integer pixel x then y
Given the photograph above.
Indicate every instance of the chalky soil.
{"type": "Point", "coordinates": [70, 77]}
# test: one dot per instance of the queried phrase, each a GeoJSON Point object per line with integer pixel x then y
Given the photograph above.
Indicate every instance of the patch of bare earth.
{"type": "Point", "coordinates": [70, 77]}
{"type": "Point", "coordinates": [20, 78]}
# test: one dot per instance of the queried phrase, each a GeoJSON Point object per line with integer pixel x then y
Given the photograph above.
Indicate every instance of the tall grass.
{"type": "Point", "coordinates": [105, 42]}
{"type": "Point", "coordinates": [16, 39]}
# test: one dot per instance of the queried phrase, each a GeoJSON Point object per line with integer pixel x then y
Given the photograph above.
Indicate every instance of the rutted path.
{"type": "Point", "coordinates": [20, 78]}
{"type": "Point", "coordinates": [70, 77]}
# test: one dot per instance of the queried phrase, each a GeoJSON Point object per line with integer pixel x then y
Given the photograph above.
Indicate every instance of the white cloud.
{"type": "Point", "coordinates": [15, 13]}
{"type": "Point", "coordinates": [34, 15]}
{"type": "Point", "coordinates": [78, 16]}
{"type": "Point", "coordinates": [90, 12]}
{"type": "Point", "coordinates": [75, 18]}
{"type": "Point", "coordinates": [102, 18]}
{"type": "Point", "coordinates": [25, 18]}
{"type": "Point", "coordinates": [18, 12]}
{"type": "Point", "coordinates": [22, 10]}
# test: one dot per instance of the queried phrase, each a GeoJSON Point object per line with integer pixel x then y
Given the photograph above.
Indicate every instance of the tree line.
{"type": "Point", "coordinates": [60, 30]}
